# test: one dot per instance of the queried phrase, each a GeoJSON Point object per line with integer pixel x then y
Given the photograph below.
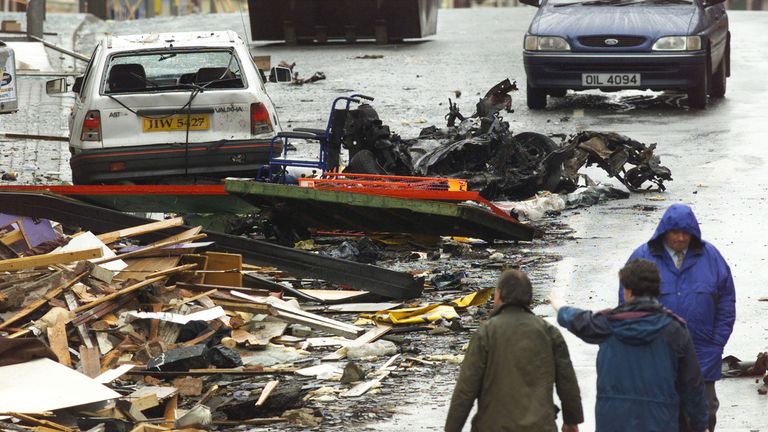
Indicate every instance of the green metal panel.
{"type": "Point", "coordinates": [329, 209]}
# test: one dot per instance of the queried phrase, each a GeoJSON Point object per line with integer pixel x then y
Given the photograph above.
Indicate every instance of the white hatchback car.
{"type": "Point", "coordinates": [168, 108]}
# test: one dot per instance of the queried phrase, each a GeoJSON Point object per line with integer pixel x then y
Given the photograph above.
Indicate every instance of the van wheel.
{"type": "Point", "coordinates": [697, 96]}
{"type": "Point", "coordinates": [536, 98]}
{"type": "Point", "coordinates": [718, 80]}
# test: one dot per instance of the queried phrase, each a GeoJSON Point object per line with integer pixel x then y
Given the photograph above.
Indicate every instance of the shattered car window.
{"type": "Point", "coordinates": [163, 70]}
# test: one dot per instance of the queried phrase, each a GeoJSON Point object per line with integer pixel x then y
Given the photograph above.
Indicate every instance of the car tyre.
{"type": "Point", "coordinates": [718, 81]}
{"type": "Point", "coordinates": [697, 96]}
{"type": "Point", "coordinates": [536, 98]}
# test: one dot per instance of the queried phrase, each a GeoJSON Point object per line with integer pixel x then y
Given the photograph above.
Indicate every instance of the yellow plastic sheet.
{"type": "Point", "coordinates": [419, 315]}
{"type": "Point", "coordinates": [477, 298]}
{"type": "Point", "coordinates": [430, 313]}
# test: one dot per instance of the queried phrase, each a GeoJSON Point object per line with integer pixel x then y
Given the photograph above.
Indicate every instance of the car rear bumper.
{"type": "Point", "coordinates": [678, 71]}
{"type": "Point", "coordinates": [154, 163]}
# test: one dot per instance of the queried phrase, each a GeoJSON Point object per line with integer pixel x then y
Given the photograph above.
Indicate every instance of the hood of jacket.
{"type": "Point", "coordinates": [638, 322]}
{"type": "Point", "coordinates": [678, 217]}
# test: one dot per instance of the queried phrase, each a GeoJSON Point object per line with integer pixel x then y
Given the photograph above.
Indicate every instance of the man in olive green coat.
{"type": "Point", "coordinates": [512, 363]}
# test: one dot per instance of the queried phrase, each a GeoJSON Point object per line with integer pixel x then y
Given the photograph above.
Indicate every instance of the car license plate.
{"type": "Point", "coordinates": [610, 80]}
{"type": "Point", "coordinates": [176, 122]}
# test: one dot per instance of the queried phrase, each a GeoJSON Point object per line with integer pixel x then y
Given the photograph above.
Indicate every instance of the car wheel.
{"type": "Point", "coordinates": [558, 92]}
{"type": "Point", "coordinates": [718, 81]}
{"type": "Point", "coordinates": [697, 96]}
{"type": "Point", "coordinates": [537, 98]}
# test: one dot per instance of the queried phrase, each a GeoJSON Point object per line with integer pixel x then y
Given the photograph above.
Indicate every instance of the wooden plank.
{"type": "Point", "coordinates": [184, 235]}
{"type": "Point", "coordinates": [285, 311]}
{"type": "Point", "coordinates": [49, 259]}
{"type": "Point", "coordinates": [122, 292]}
{"type": "Point", "coordinates": [224, 261]}
{"type": "Point", "coordinates": [172, 270]}
{"type": "Point", "coordinates": [170, 411]}
{"type": "Point", "coordinates": [146, 249]}
{"type": "Point", "coordinates": [330, 328]}
{"type": "Point", "coordinates": [81, 329]}
{"type": "Point", "coordinates": [90, 361]}
{"type": "Point", "coordinates": [268, 389]}
{"type": "Point", "coordinates": [333, 295]}
{"type": "Point", "coordinates": [42, 423]}
{"type": "Point", "coordinates": [371, 335]}
{"type": "Point", "coordinates": [363, 387]}
{"type": "Point", "coordinates": [188, 300]}
{"type": "Point", "coordinates": [139, 268]}
{"type": "Point", "coordinates": [38, 303]}
{"type": "Point", "coordinates": [114, 236]}
{"type": "Point", "coordinates": [57, 339]}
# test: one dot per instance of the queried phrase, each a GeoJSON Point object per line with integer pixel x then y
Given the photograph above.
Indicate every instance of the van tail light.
{"type": "Point", "coordinates": [260, 122]}
{"type": "Point", "coordinates": [91, 126]}
{"type": "Point", "coordinates": [117, 166]}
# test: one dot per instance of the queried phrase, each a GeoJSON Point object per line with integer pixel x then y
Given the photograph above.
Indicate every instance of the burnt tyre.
{"type": "Point", "coordinates": [718, 81]}
{"type": "Point", "coordinates": [697, 96]}
{"type": "Point", "coordinates": [539, 147]}
{"type": "Point", "coordinates": [536, 98]}
{"type": "Point", "coordinates": [364, 162]}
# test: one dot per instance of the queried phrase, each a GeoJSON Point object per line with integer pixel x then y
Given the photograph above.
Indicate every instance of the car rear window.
{"type": "Point", "coordinates": [163, 70]}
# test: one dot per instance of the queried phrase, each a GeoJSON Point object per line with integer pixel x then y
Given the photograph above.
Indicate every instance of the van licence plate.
{"type": "Point", "coordinates": [610, 80]}
{"type": "Point", "coordinates": [177, 122]}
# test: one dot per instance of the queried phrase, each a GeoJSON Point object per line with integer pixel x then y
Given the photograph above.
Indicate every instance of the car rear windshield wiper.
{"type": "Point", "coordinates": [597, 3]}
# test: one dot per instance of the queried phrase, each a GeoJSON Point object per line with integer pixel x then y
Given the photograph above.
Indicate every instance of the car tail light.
{"type": "Point", "coordinates": [117, 166]}
{"type": "Point", "coordinates": [91, 127]}
{"type": "Point", "coordinates": [260, 122]}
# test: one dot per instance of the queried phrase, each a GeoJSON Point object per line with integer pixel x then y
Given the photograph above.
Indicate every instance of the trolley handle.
{"type": "Point", "coordinates": [356, 95]}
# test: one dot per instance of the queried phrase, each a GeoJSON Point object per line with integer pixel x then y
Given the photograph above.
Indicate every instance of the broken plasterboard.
{"type": "Point", "coordinates": [44, 385]}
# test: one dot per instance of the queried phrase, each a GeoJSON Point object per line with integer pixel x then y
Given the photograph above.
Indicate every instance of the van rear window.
{"type": "Point", "coordinates": [163, 70]}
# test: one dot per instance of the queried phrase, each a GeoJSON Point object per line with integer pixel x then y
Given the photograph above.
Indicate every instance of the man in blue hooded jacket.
{"type": "Point", "coordinates": [647, 373]}
{"type": "Point", "coordinates": [696, 284]}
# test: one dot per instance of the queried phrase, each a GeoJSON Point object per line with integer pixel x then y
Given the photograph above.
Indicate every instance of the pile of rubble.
{"type": "Point", "coordinates": [104, 332]}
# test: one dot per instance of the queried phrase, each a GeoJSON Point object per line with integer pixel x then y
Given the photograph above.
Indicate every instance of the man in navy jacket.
{"type": "Point", "coordinates": [647, 373]}
{"type": "Point", "coordinates": [696, 284]}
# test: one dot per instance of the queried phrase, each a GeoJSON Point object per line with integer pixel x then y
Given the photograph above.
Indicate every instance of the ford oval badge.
{"type": "Point", "coordinates": [611, 41]}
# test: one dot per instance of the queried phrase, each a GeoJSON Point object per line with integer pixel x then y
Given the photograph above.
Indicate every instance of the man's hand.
{"type": "Point", "coordinates": [556, 301]}
{"type": "Point", "coordinates": [570, 428]}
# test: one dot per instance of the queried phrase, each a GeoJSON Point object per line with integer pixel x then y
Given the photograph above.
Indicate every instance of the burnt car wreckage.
{"type": "Point", "coordinates": [482, 149]}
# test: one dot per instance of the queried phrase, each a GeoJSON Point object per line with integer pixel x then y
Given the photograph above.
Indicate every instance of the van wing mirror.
{"type": "Point", "coordinates": [280, 74]}
{"type": "Point", "coordinates": [55, 87]}
{"type": "Point", "coordinates": [534, 3]}
{"type": "Point", "coordinates": [708, 3]}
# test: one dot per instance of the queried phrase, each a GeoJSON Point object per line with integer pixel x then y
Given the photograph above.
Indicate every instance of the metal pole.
{"type": "Point", "coordinates": [35, 17]}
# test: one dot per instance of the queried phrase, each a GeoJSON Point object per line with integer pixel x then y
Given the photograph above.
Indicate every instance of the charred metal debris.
{"type": "Point", "coordinates": [500, 164]}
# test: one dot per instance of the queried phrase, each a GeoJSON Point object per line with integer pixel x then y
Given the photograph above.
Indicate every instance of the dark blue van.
{"type": "Point", "coordinates": [610, 45]}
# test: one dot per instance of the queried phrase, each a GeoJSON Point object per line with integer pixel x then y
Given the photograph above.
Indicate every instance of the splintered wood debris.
{"type": "Point", "coordinates": [108, 330]}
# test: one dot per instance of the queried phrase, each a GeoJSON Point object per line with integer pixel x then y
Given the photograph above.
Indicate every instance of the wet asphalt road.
{"type": "Point", "coordinates": [716, 158]}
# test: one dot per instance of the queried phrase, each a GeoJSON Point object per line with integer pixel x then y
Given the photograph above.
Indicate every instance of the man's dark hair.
{"type": "Point", "coordinates": [515, 288]}
{"type": "Point", "coordinates": [641, 277]}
